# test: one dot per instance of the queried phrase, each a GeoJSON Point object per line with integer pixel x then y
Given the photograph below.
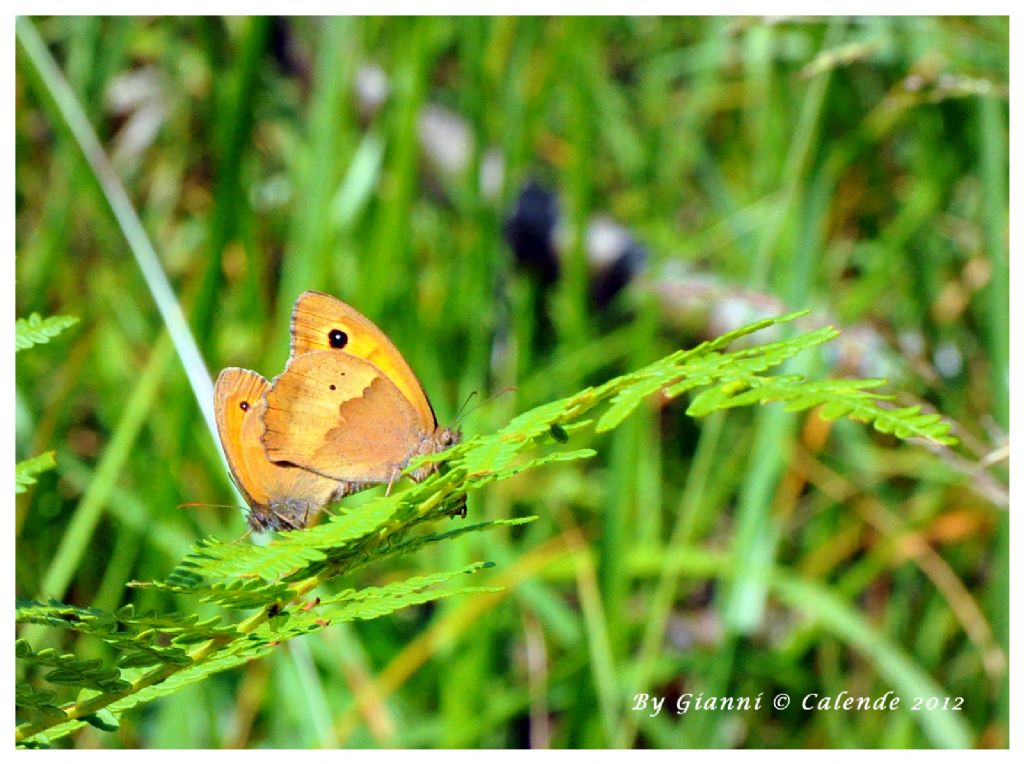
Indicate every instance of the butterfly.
{"type": "Point", "coordinates": [347, 406]}
{"type": "Point", "coordinates": [280, 497]}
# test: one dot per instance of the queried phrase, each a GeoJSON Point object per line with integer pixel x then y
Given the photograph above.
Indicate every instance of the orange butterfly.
{"type": "Point", "coordinates": [347, 406]}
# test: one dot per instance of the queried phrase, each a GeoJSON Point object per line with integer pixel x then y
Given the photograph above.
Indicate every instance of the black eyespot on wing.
{"type": "Point", "coordinates": [333, 387]}
{"type": "Point", "coordinates": [337, 338]}
{"type": "Point", "coordinates": [244, 405]}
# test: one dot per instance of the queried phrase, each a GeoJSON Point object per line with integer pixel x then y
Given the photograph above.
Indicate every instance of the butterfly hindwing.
{"type": "Point", "coordinates": [279, 496]}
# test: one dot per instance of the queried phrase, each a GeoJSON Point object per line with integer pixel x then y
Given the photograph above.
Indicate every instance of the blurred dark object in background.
{"type": "Point", "coordinates": [530, 231]}
{"type": "Point", "coordinates": [614, 256]}
{"type": "Point", "coordinates": [287, 51]}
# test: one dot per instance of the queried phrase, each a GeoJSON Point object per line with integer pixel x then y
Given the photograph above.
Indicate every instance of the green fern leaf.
{"type": "Point", "coordinates": [240, 594]}
{"type": "Point", "coordinates": [375, 608]}
{"type": "Point", "coordinates": [169, 686]}
{"type": "Point", "coordinates": [138, 653]}
{"type": "Point", "coordinates": [702, 366]}
{"type": "Point", "coordinates": [406, 586]}
{"type": "Point", "coordinates": [120, 627]}
{"type": "Point", "coordinates": [300, 623]}
{"type": "Point", "coordinates": [103, 720]}
{"type": "Point", "coordinates": [214, 558]}
{"type": "Point", "coordinates": [69, 670]}
{"type": "Point", "coordinates": [36, 330]}
{"type": "Point", "coordinates": [481, 479]}
{"type": "Point", "coordinates": [25, 471]}
{"type": "Point", "coordinates": [37, 702]}
{"type": "Point", "coordinates": [421, 541]}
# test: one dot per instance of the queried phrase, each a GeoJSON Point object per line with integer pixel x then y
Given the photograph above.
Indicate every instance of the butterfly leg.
{"type": "Point", "coordinates": [284, 523]}
{"type": "Point", "coordinates": [345, 488]}
{"type": "Point", "coordinates": [391, 481]}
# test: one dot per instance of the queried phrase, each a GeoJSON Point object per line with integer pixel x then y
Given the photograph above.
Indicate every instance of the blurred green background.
{"type": "Point", "coordinates": [703, 172]}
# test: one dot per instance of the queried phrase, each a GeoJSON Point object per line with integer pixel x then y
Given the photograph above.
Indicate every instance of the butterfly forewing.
{"type": "Point", "coordinates": [340, 417]}
{"type": "Point", "coordinates": [323, 322]}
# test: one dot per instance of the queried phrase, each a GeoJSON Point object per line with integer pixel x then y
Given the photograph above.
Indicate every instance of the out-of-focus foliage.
{"type": "Point", "coordinates": [855, 167]}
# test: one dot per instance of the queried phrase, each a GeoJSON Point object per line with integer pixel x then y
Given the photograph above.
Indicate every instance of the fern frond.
{"type": "Point", "coordinates": [213, 558]}
{"type": "Point", "coordinates": [123, 625]}
{"type": "Point", "coordinates": [68, 670]}
{"type": "Point", "coordinates": [36, 330]}
{"type": "Point", "coordinates": [401, 588]}
{"type": "Point", "coordinates": [25, 471]}
{"type": "Point", "coordinates": [161, 683]}
{"type": "Point", "coordinates": [240, 594]}
{"type": "Point", "coordinates": [160, 653]}
{"type": "Point", "coordinates": [175, 669]}
{"type": "Point", "coordinates": [420, 541]}
{"type": "Point", "coordinates": [837, 398]}
{"type": "Point", "coordinates": [375, 608]}
{"type": "Point", "coordinates": [144, 653]}
{"type": "Point", "coordinates": [41, 703]}
{"type": "Point", "coordinates": [700, 368]}
{"type": "Point", "coordinates": [904, 423]}
{"type": "Point", "coordinates": [67, 616]}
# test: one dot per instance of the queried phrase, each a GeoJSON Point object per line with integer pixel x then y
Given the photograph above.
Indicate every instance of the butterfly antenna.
{"type": "Point", "coordinates": [462, 408]}
{"type": "Point", "coordinates": [481, 404]}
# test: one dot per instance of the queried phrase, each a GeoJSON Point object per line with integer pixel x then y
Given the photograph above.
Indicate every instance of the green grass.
{"type": "Point", "coordinates": [854, 167]}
